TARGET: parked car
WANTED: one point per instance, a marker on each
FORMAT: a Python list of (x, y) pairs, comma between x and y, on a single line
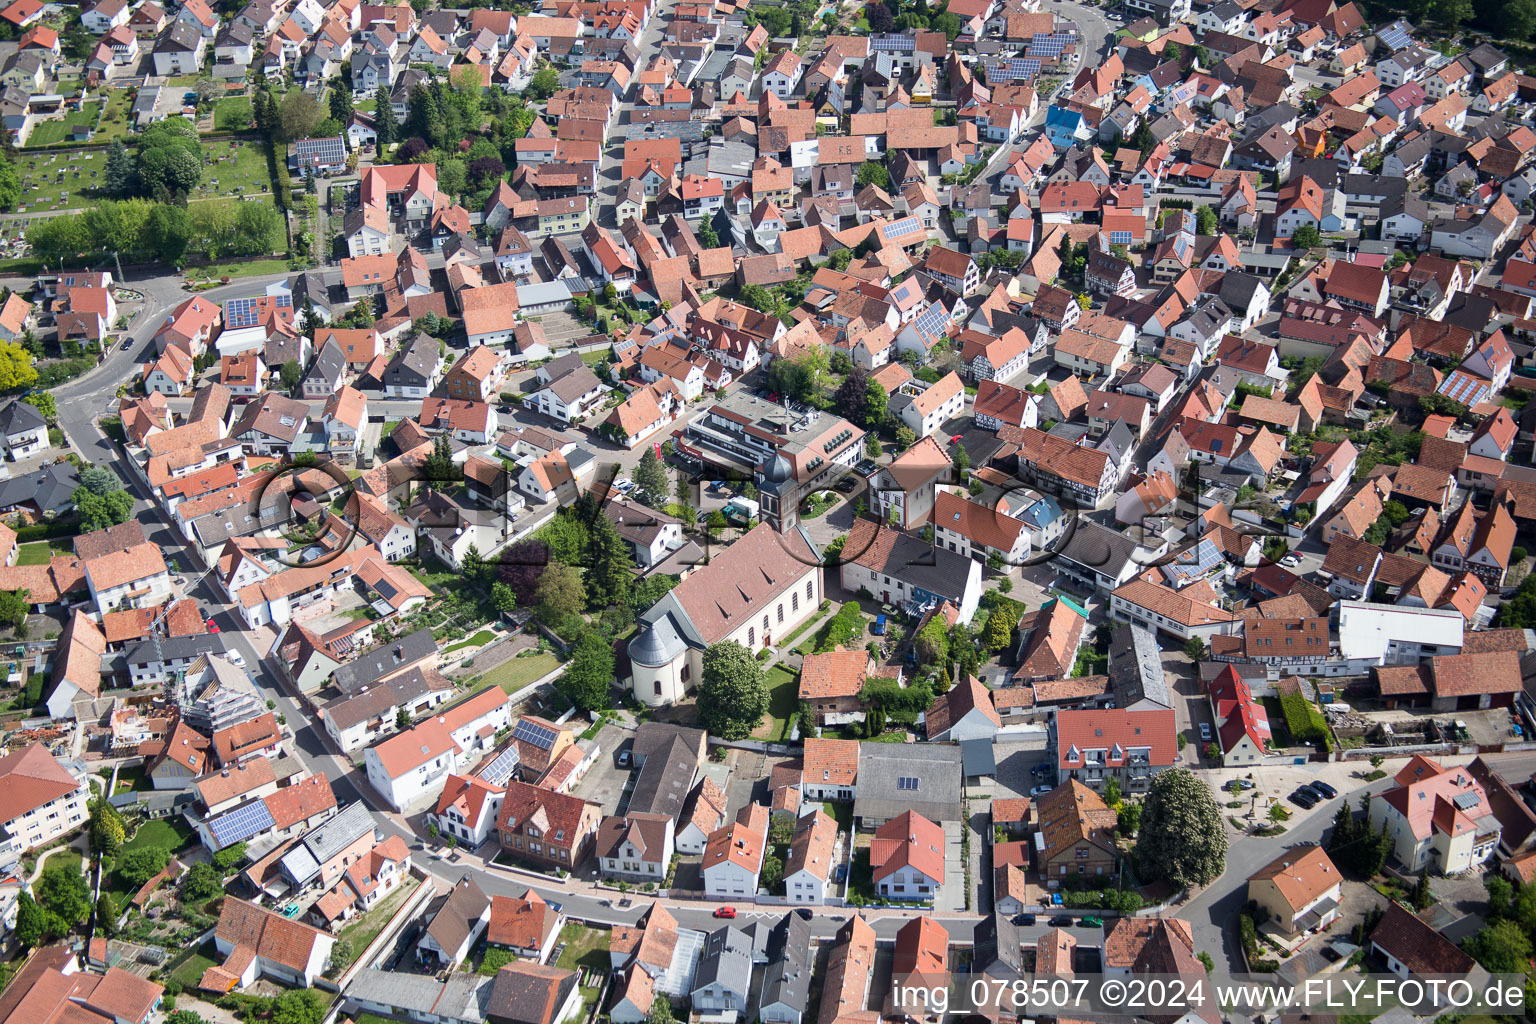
[(1291, 560), (846, 484), (1025, 919), (1205, 731), (1040, 791), (878, 629), (726, 912), (624, 758), (1061, 921), (1326, 790), (235, 658), (1093, 922), (1303, 798)]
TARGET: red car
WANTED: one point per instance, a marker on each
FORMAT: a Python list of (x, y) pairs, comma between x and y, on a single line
[(957, 439), (725, 911), (212, 626)]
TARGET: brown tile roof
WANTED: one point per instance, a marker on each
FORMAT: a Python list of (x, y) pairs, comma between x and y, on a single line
[(525, 923), (837, 673), (831, 762), (1301, 875), (270, 936)]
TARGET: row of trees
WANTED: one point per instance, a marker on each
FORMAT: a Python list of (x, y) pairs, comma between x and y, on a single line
[(138, 229)]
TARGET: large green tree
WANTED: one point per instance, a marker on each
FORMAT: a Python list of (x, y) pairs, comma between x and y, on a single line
[(384, 124), (560, 594), (589, 675), (1503, 947), (650, 476), (62, 892), (610, 568), (97, 512), (140, 864), (29, 921), (732, 696), (107, 829), (1182, 837)]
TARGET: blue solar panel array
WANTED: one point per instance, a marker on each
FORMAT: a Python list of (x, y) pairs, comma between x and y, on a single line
[(905, 226), (893, 43), (247, 312), (500, 770), (1463, 388), (1047, 44), (531, 732), (241, 824), (1396, 35)]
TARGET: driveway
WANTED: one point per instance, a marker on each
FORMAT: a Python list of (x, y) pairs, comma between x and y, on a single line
[(605, 783)]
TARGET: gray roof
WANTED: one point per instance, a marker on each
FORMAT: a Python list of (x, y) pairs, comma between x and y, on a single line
[(175, 648), (1136, 667), (325, 841), (373, 665), (727, 961), (665, 780), (328, 364), (414, 364), (454, 917), (883, 794), (654, 736), (180, 37), (17, 416), (919, 564), (374, 701), (786, 979), (1097, 547), (51, 488), (462, 998), (570, 386)]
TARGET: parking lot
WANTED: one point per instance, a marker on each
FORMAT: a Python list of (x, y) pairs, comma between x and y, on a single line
[(1015, 763), (605, 783)]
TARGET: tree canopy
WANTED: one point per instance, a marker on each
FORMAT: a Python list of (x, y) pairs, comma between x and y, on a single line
[(1182, 837), (732, 696)]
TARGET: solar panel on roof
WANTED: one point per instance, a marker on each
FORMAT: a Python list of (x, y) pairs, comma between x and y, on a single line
[(531, 732), (1463, 801), (905, 226), (1395, 36), (240, 313), (241, 823), (500, 770)]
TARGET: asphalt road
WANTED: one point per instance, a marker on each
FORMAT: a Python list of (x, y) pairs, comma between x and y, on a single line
[(94, 394), (1213, 912)]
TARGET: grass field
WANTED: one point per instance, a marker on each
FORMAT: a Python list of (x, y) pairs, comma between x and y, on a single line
[(39, 552), (232, 114), (44, 178), (167, 832), (480, 639), (367, 927), (254, 268), (515, 673), (114, 123), (585, 947), (783, 699), (235, 168), (190, 971), (50, 133)]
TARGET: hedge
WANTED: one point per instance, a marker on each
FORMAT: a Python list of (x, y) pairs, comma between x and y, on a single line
[(1120, 900), (1303, 720), (842, 628), (45, 531)]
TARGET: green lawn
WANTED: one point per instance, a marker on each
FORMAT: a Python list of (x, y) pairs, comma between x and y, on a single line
[(367, 927), (46, 177), (584, 948), (480, 639), (190, 971), (170, 833), (129, 779), (515, 673), (252, 268), (783, 700), (39, 552), (232, 114), (50, 133), (114, 123), (235, 168), (841, 811)]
